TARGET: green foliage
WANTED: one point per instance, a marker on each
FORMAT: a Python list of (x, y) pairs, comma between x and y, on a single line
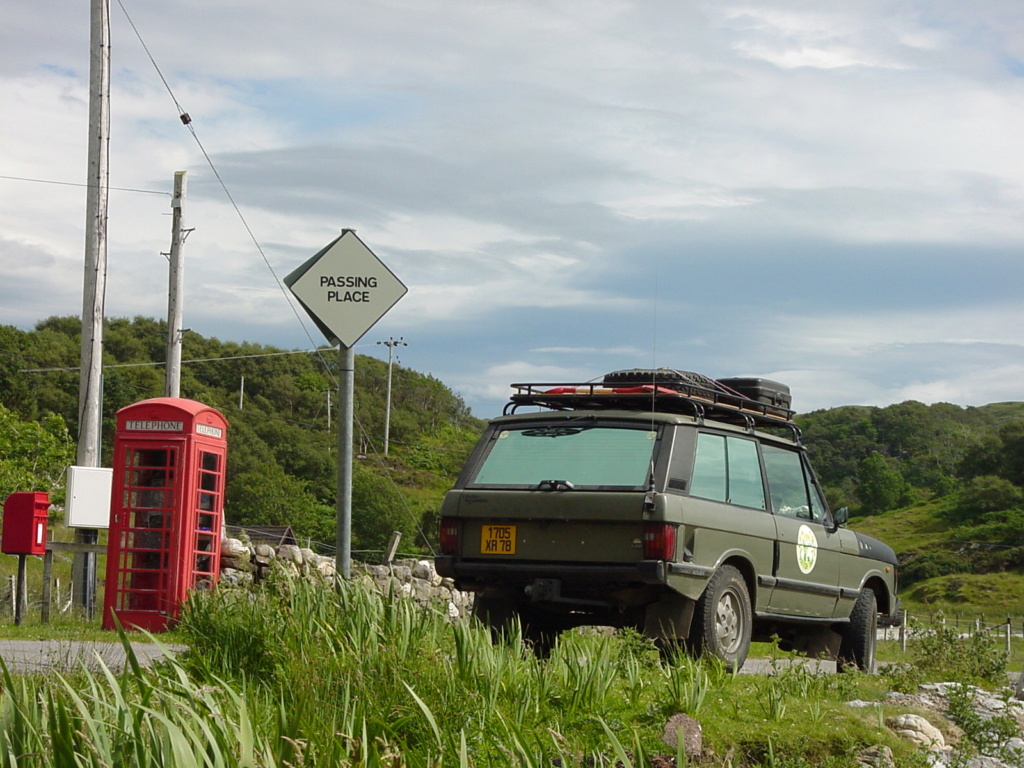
[(355, 668), (282, 465), (984, 494), (881, 486), (291, 673), (443, 453), (1000, 454), (920, 566), (988, 736), (34, 455), (232, 636), (378, 510), (971, 659), (931, 447)]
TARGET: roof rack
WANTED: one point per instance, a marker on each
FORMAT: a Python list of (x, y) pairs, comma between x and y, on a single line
[(707, 398)]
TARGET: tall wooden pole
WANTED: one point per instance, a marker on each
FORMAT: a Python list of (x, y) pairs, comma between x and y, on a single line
[(89, 407), (172, 376), (90, 412), (391, 343)]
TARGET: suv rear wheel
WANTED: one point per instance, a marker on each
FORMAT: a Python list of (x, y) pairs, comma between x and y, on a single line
[(722, 619)]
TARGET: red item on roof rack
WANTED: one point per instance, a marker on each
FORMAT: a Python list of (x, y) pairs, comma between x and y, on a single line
[(670, 391)]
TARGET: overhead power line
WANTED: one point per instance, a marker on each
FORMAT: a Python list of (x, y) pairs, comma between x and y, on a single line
[(186, 120), (79, 184), (196, 360)]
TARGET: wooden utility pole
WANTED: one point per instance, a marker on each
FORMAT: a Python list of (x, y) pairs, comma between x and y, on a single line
[(391, 343), (172, 376), (89, 406), (90, 411)]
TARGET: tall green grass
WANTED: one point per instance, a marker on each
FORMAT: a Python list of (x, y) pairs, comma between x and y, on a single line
[(294, 675)]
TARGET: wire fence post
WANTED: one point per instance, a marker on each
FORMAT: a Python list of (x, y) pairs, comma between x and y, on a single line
[(44, 613), (903, 631)]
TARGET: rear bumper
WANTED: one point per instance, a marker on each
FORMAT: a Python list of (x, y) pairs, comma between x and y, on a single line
[(476, 575)]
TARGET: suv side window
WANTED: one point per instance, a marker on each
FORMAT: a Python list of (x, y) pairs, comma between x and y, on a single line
[(788, 485), (726, 469)]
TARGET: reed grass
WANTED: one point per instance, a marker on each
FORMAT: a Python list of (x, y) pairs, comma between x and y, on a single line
[(296, 675)]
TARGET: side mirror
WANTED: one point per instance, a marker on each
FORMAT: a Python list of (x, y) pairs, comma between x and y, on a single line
[(842, 516)]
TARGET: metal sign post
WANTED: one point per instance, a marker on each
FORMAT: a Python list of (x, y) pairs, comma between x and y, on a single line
[(345, 289), (346, 434)]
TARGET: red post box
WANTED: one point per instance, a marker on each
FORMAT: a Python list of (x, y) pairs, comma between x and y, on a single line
[(166, 510), (25, 519)]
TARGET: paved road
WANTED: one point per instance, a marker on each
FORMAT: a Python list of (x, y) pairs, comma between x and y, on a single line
[(22, 656), (764, 666)]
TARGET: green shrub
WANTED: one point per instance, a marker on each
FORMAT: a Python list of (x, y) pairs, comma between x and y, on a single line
[(943, 652), (928, 565), (985, 494), (988, 736)]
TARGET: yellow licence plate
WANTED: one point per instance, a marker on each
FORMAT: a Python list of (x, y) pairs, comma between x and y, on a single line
[(498, 540)]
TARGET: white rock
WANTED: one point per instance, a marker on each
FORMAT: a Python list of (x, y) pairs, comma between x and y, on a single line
[(232, 548), (918, 730)]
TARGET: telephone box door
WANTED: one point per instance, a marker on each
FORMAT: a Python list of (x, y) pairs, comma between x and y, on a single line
[(203, 542), (143, 594), (166, 510)]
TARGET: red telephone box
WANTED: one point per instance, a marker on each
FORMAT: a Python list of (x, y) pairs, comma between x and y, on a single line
[(166, 510)]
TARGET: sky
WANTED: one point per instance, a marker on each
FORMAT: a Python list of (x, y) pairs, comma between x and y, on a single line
[(830, 195)]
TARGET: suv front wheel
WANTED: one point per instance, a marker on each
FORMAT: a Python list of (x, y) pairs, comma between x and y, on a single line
[(857, 647), (722, 619)]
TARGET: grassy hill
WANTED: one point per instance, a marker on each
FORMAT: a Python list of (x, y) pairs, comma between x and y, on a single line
[(923, 531)]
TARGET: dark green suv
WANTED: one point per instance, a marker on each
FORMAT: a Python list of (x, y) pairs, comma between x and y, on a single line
[(664, 501)]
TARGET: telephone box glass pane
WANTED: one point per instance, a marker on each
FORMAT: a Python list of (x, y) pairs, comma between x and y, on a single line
[(145, 539), (209, 503)]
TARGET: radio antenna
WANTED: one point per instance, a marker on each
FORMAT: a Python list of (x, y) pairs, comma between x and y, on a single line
[(654, 347)]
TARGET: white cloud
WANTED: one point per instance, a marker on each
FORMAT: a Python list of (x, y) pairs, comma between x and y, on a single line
[(555, 180)]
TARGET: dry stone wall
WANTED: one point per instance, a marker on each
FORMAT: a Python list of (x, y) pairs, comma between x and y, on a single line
[(245, 563)]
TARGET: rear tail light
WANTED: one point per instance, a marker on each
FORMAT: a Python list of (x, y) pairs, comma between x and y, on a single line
[(449, 536), (659, 541)]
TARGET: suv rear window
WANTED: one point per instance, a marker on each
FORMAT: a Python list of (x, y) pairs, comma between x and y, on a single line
[(590, 456)]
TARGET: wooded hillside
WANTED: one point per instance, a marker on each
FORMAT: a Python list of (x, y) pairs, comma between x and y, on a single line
[(281, 462), (949, 482), (965, 464)]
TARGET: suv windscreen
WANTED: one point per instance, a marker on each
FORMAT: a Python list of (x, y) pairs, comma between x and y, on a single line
[(607, 457)]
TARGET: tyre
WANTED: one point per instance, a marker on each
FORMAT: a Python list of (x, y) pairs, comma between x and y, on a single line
[(722, 619), (664, 377), (539, 633), (496, 613), (858, 637), (499, 614)]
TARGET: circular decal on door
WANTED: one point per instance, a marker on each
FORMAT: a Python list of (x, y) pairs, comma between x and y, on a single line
[(806, 549)]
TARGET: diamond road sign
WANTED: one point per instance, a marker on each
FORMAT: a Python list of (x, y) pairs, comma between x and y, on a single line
[(346, 289)]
